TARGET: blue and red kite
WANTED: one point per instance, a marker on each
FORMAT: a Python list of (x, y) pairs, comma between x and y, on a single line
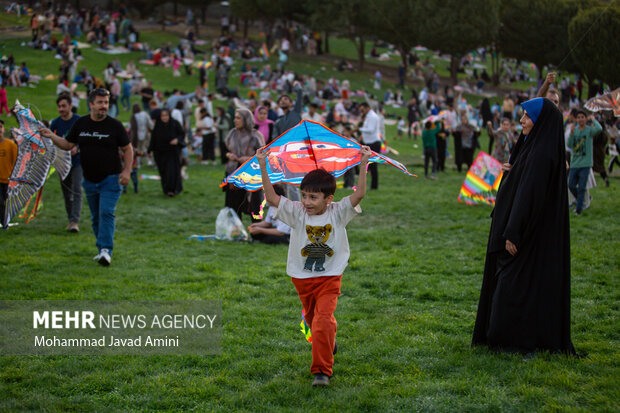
[(301, 149)]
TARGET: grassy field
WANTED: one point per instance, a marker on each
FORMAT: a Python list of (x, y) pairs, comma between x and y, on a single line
[(406, 313)]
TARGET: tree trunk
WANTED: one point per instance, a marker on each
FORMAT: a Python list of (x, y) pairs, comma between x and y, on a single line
[(403, 56), (196, 25), (326, 35), (495, 67), (245, 28), (203, 14), (360, 52), (454, 65), (175, 11)]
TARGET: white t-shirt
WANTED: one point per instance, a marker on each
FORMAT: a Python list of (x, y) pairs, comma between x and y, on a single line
[(319, 246)]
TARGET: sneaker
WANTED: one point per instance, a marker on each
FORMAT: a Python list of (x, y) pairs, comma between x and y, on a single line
[(96, 257), (104, 257), (73, 227), (320, 379)]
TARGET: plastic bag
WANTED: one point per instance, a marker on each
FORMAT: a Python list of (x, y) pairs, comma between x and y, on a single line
[(228, 226)]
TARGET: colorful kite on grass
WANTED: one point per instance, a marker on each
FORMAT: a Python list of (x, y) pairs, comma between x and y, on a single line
[(36, 156), (264, 51), (301, 149), (607, 101), (482, 181)]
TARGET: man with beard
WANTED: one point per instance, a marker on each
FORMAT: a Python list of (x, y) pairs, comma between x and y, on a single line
[(99, 137), (292, 114)]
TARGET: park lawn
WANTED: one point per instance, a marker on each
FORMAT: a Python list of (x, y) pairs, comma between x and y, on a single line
[(406, 313)]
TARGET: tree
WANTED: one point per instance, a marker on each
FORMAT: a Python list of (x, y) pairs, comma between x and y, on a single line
[(595, 43), (351, 18), (396, 22), (457, 27), (146, 8), (537, 31), (202, 6)]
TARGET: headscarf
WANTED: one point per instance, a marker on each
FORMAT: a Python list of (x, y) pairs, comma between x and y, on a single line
[(263, 127), (533, 107), (244, 141), (164, 132)]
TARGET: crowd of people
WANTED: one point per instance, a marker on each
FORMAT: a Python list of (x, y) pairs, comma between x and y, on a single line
[(542, 155)]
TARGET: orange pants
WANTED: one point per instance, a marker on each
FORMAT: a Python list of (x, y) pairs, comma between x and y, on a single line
[(319, 297)]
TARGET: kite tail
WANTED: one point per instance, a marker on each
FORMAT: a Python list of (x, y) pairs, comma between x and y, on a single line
[(305, 330), (29, 216)]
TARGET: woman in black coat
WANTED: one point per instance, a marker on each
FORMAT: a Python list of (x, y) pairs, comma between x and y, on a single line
[(525, 299), (166, 143)]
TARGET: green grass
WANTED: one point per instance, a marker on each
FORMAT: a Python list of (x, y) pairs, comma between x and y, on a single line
[(406, 314)]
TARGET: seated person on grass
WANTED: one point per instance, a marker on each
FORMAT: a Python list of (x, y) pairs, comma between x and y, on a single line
[(271, 230), (318, 252)]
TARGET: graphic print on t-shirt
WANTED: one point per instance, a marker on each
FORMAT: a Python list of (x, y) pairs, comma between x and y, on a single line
[(317, 250)]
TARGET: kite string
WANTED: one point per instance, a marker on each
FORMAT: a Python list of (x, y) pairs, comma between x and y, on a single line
[(584, 35), (310, 143)]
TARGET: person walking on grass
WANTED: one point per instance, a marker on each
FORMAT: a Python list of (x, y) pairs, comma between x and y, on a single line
[(429, 141), (372, 138), (318, 252), (99, 137), (72, 184)]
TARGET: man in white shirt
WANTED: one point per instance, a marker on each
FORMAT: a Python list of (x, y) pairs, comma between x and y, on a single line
[(312, 113), (371, 137)]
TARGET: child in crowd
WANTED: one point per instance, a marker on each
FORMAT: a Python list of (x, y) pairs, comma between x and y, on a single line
[(318, 252)]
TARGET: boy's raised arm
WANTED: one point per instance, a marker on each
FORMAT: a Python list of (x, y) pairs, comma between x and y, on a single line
[(270, 194), (356, 197)]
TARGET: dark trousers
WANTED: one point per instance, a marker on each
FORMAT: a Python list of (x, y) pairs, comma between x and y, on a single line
[(237, 199), (577, 183), (372, 168), (349, 178), (468, 156), (458, 151), (441, 154), (72, 192), (223, 149), (272, 239), (4, 189), (208, 147), (430, 153)]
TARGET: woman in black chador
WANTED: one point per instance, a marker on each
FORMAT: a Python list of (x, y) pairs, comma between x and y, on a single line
[(167, 139), (525, 299)]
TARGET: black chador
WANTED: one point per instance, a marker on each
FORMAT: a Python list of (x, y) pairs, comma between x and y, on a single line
[(525, 299)]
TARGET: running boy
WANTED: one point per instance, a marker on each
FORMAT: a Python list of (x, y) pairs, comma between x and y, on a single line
[(318, 252)]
